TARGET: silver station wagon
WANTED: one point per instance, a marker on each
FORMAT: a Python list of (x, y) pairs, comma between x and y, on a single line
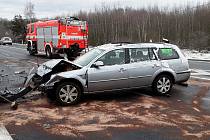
[(113, 67)]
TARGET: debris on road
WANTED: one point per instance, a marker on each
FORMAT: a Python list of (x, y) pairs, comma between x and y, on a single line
[(14, 104), (20, 72), (46, 126), (196, 109), (37, 77)]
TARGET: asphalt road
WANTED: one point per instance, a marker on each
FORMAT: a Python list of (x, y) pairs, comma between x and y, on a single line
[(137, 114), (203, 65)]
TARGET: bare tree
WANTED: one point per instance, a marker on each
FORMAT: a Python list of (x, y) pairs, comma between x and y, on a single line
[(188, 27), (29, 11)]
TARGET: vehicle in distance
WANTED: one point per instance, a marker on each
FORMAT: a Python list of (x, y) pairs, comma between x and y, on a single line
[(62, 36), (6, 41), (113, 67)]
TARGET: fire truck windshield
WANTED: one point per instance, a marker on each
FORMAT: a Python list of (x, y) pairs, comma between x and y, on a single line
[(74, 23), (70, 22)]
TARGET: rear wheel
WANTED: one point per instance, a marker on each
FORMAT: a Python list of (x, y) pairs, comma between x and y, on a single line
[(68, 93), (162, 85)]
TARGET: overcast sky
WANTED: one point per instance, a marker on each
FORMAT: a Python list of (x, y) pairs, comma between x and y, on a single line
[(51, 8)]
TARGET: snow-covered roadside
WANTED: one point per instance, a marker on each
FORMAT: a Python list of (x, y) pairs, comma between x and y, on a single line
[(195, 55)]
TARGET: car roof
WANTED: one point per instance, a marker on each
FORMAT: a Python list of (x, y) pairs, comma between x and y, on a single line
[(111, 46), (5, 37)]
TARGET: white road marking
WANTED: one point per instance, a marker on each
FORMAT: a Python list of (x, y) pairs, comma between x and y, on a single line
[(33, 62), (202, 61), (4, 134), (197, 73), (200, 72), (201, 78), (15, 47)]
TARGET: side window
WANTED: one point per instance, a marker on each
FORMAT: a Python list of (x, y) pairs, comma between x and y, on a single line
[(139, 54), (115, 57), (167, 54)]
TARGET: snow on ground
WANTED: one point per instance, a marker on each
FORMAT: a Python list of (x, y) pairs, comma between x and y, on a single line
[(192, 54)]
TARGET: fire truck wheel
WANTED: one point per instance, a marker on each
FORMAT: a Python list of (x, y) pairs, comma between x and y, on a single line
[(31, 52), (48, 52)]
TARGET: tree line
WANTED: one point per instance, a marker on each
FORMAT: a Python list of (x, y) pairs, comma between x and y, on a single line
[(187, 27)]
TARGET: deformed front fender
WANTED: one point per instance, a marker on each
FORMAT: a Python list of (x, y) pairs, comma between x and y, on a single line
[(79, 75)]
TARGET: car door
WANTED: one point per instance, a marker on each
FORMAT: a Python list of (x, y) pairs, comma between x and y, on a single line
[(112, 75), (143, 64)]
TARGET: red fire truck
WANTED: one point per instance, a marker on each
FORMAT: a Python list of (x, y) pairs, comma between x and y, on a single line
[(67, 35)]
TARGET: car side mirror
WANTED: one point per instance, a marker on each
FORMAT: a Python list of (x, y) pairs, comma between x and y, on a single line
[(98, 64)]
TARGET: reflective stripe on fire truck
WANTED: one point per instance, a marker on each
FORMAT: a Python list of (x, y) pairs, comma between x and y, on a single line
[(31, 36), (63, 37), (48, 36), (76, 37)]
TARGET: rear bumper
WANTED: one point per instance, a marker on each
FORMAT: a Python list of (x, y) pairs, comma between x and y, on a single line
[(183, 76)]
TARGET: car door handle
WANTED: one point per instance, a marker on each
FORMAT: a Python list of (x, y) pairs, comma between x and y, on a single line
[(122, 70)]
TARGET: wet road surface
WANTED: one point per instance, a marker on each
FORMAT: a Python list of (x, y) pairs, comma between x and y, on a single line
[(137, 114)]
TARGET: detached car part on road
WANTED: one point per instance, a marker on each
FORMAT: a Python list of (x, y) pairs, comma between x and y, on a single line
[(112, 67)]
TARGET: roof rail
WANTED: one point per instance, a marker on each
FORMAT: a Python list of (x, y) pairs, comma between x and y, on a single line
[(121, 43)]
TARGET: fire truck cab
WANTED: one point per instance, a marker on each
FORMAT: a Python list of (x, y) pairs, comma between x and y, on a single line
[(67, 35)]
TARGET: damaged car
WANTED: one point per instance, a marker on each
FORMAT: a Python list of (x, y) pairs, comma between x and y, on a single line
[(112, 67)]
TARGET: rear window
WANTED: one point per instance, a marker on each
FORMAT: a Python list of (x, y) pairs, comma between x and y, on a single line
[(167, 54)]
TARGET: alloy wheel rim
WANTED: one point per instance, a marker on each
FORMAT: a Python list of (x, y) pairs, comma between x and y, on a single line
[(163, 85), (68, 93)]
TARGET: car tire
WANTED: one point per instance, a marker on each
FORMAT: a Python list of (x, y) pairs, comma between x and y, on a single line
[(68, 93), (30, 51), (48, 52), (162, 85)]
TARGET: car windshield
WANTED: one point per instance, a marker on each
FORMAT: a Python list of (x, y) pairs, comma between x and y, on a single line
[(6, 38), (85, 59)]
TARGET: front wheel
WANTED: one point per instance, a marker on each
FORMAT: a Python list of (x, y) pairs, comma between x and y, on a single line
[(68, 93), (48, 52), (30, 50), (162, 85)]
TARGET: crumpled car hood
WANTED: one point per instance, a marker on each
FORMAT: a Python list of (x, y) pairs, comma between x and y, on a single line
[(47, 67)]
